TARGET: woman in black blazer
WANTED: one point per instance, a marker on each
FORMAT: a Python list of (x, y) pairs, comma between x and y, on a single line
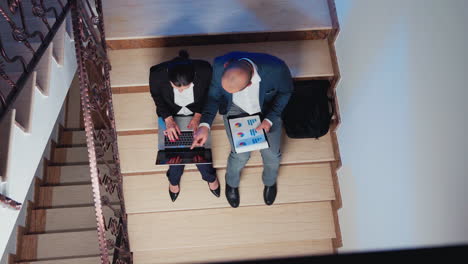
[(180, 87)]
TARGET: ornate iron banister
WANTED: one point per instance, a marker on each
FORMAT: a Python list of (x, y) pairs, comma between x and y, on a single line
[(15, 22), (101, 135), (9, 202), (16, 19), (96, 102)]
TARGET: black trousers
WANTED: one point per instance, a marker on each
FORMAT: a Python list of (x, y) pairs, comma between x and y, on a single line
[(175, 173)]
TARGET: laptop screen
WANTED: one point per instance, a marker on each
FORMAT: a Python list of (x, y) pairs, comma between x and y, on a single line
[(184, 156)]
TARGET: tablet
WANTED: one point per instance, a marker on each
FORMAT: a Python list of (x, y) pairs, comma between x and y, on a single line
[(244, 135)]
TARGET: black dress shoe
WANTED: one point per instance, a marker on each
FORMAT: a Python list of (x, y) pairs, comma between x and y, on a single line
[(232, 195), (216, 192), (174, 195), (269, 194)]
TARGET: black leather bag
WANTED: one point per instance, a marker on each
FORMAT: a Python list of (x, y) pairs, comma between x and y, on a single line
[(309, 111)]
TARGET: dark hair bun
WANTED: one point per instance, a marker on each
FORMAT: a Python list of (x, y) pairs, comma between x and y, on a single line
[(183, 54)]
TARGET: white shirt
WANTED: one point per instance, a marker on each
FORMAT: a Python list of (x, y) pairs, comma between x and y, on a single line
[(183, 99), (249, 98)]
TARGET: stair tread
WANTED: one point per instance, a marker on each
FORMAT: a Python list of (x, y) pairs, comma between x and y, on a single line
[(231, 226), (65, 219), (85, 260), (296, 183), (71, 174), (305, 58), (73, 137), (258, 251), (64, 155), (69, 195), (138, 152), (137, 111), (248, 15), (59, 245)]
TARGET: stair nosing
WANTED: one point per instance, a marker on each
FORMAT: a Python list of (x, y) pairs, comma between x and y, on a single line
[(128, 174), (322, 28), (70, 206)]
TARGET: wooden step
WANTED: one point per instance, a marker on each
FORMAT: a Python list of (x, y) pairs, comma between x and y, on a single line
[(69, 195), (137, 111), (59, 245), (126, 20), (85, 260), (74, 155), (73, 137), (71, 174), (74, 119), (258, 251), (296, 183), (231, 226), (138, 152), (64, 219), (307, 58)]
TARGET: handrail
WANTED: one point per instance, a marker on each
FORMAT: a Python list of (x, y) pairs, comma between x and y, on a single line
[(96, 101), (101, 135), (21, 35), (8, 202)]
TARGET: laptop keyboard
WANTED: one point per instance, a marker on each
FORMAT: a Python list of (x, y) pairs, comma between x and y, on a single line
[(185, 139)]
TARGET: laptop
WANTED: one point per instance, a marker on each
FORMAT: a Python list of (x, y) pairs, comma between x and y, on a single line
[(179, 152)]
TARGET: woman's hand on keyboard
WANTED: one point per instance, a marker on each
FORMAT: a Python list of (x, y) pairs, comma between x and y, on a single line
[(172, 130)]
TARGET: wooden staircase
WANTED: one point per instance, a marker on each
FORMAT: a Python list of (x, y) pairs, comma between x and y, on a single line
[(61, 222), (199, 227)]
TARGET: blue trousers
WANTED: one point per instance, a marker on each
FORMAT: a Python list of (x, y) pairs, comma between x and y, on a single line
[(175, 173), (271, 156)]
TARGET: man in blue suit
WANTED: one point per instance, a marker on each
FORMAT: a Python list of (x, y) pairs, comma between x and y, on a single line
[(248, 83)]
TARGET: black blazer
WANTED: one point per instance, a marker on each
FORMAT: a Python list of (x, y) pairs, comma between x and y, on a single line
[(163, 93)]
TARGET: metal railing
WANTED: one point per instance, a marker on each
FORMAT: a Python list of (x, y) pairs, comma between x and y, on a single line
[(25, 35), (28, 21), (9, 203), (26, 32), (101, 135)]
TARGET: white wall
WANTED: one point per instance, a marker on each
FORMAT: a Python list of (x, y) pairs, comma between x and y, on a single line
[(404, 136)]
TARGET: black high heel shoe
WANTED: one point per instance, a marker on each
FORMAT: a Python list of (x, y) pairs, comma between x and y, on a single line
[(216, 192), (174, 195)]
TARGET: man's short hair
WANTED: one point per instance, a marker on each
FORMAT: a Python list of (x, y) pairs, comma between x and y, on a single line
[(234, 63)]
